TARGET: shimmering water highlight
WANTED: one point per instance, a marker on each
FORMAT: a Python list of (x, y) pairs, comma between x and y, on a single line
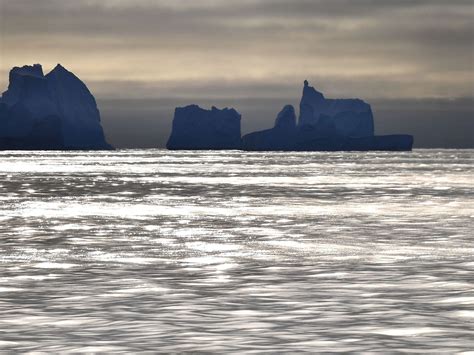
[(229, 251)]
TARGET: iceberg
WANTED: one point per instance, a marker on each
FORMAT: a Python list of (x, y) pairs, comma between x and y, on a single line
[(195, 128), (335, 117), (325, 125), (53, 111), (281, 137)]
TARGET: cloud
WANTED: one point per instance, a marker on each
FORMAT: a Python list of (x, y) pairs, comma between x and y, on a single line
[(367, 48)]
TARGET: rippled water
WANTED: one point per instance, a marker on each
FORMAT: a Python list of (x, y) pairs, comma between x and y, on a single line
[(230, 251)]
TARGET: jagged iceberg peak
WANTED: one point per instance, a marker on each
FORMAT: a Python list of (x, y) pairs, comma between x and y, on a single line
[(343, 117), (231, 111), (28, 87), (286, 119), (310, 93), (59, 70), (279, 138), (17, 78), (198, 128), (59, 67), (32, 70), (59, 94)]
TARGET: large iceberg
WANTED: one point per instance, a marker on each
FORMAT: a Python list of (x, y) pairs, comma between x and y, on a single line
[(53, 111), (196, 128), (325, 125)]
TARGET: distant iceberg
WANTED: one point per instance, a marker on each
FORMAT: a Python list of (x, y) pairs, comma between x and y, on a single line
[(335, 117), (195, 128), (53, 111), (325, 125), (281, 137)]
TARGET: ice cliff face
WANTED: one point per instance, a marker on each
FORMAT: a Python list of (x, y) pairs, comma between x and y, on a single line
[(197, 128), (55, 111), (335, 117), (77, 107)]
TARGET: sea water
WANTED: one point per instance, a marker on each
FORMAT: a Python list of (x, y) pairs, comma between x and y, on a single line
[(228, 251)]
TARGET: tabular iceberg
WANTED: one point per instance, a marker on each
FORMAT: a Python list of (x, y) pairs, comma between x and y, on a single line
[(195, 128), (53, 111), (325, 125)]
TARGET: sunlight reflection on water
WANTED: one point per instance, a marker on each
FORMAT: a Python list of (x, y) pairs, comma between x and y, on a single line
[(138, 250)]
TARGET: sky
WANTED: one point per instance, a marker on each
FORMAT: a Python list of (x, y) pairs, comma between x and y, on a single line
[(411, 59)]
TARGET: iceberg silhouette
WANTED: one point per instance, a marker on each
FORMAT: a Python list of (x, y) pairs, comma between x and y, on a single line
[(53, 111), (195, 128), (325, 125)]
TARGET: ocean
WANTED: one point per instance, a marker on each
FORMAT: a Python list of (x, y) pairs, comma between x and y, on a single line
[(236, 252)]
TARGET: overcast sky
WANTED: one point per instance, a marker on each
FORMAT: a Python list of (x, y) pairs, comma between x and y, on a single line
[(129, 49)]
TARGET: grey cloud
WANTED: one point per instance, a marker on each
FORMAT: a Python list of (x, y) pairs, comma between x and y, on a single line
[(304, 26), (140, 16), (425, 45), (231, 22)]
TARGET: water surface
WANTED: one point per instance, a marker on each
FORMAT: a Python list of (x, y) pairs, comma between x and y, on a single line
[(236, 252)]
